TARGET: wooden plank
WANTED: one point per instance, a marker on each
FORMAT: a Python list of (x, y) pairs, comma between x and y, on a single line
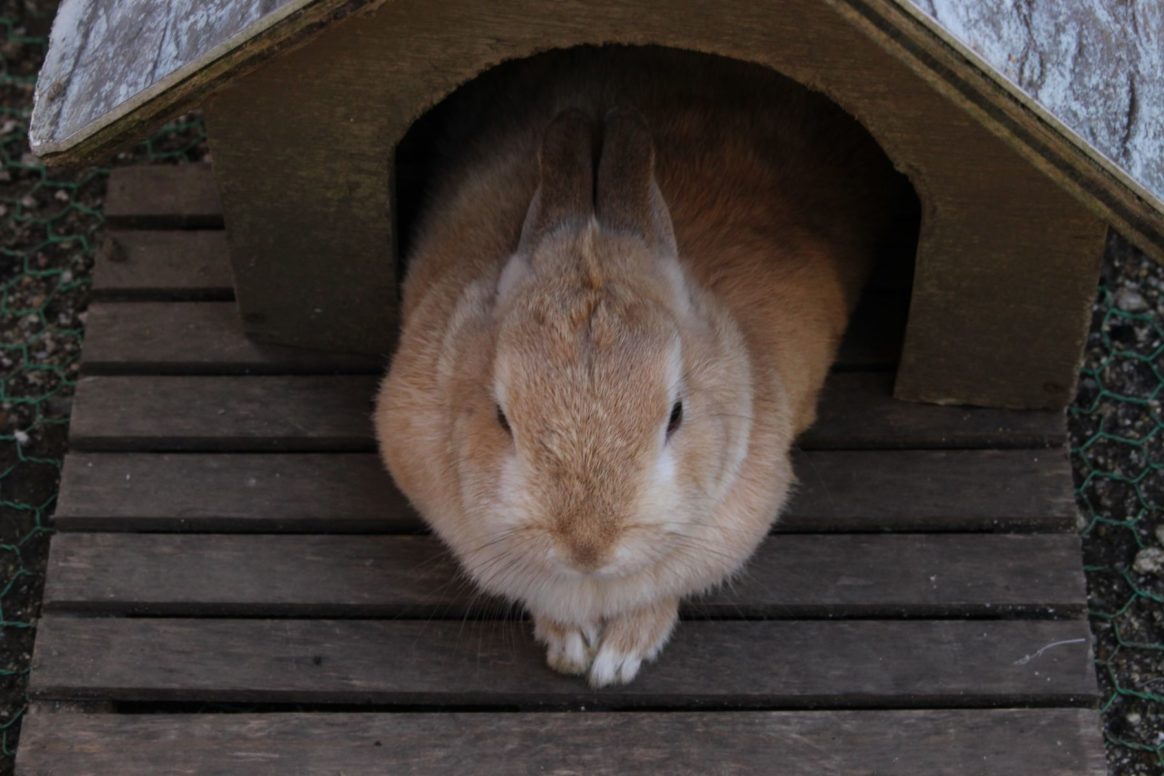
[(306, 492), (899, 490), (333, 413), (163, 265), (933, 742), (856, 411), (842, 490), (182, 196), (223, 413), (908, 575), (727, 663), (197, 338)]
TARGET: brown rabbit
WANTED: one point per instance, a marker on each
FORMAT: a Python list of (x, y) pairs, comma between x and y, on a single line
[(623, 298)]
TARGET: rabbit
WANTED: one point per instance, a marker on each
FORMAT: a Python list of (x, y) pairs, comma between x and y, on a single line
[(625, 292)]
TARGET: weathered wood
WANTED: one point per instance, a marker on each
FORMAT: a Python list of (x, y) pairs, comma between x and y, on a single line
[(842, 490), (115, 72), (1108, 90), (975, 287), (237, 492), (934, 742), (986, 332), (911, 575), (180, 196), (223, 413), (856, 411), (736, 664), (1004, 66), (337, 492), (333, 413), (198, 338), (104, 56), (163, 265), (284, 229)]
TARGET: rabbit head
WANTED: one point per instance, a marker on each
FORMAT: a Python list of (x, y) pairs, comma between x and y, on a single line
[(615, 410)]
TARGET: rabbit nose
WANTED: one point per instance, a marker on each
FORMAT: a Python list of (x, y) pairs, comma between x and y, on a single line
[(586, 555), (585, 552)]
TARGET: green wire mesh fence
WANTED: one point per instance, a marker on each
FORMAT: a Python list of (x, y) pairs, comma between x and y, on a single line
[(45, 247), (49, 224), (1117, 434)]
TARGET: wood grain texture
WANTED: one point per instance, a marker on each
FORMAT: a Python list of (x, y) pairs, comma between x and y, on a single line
[(306, 413), (1049, 742), (908, 575), (237, 492), (736, 664), (1098, 67), (905, 29), (339, 492), (116, 69), (179, 196), (1000, 58), (107, 53), (163, 265), (198, 338), (857, 411), (974, 287), (223, 413), (843, 490), (335, 200)]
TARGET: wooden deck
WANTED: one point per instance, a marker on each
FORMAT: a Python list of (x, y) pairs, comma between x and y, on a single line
[(236, 587)]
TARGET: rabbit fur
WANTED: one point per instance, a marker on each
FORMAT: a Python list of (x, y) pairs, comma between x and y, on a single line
[(627, 286)]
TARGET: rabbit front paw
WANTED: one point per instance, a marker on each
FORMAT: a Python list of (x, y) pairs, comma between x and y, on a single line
[(631, 639), (569, 648)]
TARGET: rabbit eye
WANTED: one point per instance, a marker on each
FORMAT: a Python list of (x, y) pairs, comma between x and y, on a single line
[(503, 421), (675, 419)]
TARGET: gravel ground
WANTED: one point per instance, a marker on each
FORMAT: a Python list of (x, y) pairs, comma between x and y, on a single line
[(49, 221), (1117, 438), (47, 226)]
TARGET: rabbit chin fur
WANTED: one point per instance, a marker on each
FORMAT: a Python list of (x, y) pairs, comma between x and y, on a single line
[(578, 275)]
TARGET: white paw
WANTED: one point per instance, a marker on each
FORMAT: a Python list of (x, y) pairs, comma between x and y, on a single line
[(569, 649), (612, 666), (630, 640)]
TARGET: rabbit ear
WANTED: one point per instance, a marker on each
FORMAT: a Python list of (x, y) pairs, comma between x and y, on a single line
[(565, 191), (628, 199)]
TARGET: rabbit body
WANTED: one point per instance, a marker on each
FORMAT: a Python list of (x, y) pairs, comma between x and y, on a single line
[(614, 327)]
